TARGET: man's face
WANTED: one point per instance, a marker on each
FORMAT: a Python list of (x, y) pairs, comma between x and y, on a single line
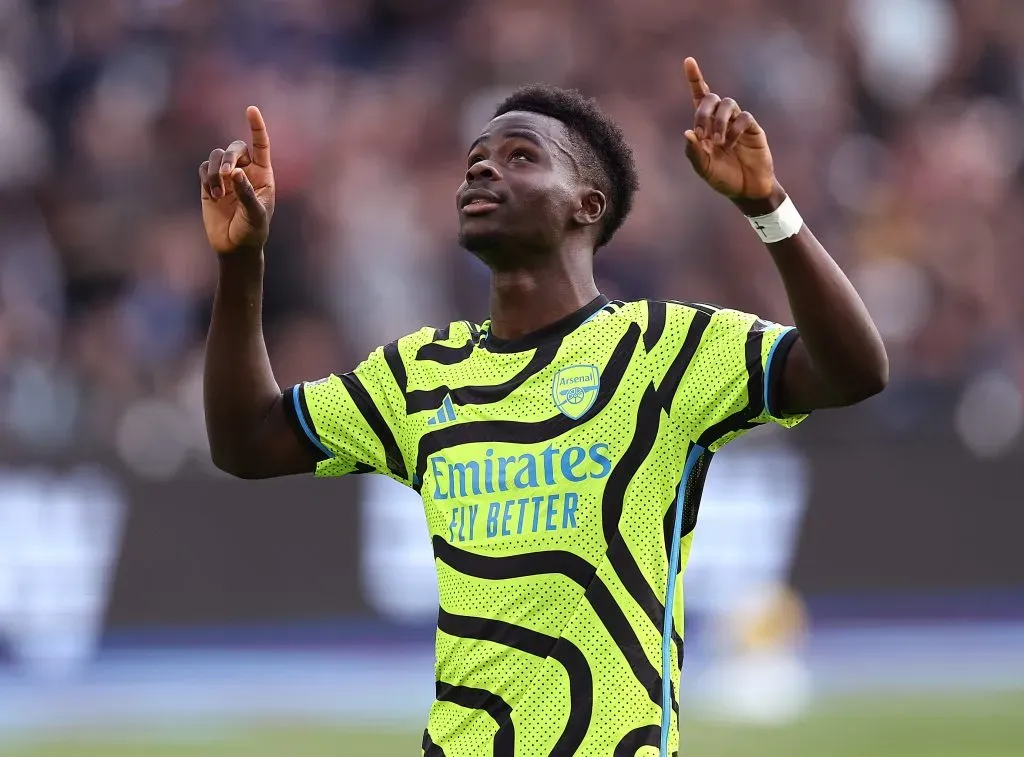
[(522, 188)]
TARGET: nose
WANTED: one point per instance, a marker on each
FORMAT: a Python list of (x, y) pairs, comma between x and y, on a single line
[(482, 169)]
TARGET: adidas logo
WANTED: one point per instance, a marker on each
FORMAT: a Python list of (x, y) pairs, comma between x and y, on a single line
[(445, 413)]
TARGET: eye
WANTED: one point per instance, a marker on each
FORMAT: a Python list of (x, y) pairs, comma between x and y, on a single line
[(519, 156), (475, 159)]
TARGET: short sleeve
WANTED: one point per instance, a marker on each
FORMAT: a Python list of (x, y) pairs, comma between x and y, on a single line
[(738, 365), (351, 420)]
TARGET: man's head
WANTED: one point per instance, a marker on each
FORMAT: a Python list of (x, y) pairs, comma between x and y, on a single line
[(550, 166)]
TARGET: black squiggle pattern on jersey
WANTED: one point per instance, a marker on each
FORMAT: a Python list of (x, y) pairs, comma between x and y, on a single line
[(581, 681), (577, 570), (372, 415), (492, 704), (419, 400), (568, 564), (448, 354), (430, 749), (656, 315), (629, 745), (445, 354), (674, 375), (755, 391)]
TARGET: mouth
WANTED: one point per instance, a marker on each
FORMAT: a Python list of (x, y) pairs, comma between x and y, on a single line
[(475, 202)]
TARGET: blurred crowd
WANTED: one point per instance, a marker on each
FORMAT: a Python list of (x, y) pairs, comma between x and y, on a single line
[(895, 125)]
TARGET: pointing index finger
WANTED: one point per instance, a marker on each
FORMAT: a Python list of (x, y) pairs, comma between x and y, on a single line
[(698, 87), (260, 138)]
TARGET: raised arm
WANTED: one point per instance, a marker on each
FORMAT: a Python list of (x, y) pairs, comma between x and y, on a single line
[(839, 358), (248, 429)]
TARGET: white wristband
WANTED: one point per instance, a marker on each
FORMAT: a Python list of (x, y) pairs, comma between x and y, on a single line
[(782, 223)]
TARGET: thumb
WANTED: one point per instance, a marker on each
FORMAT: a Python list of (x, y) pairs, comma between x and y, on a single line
[(698, 156), (247, 196)]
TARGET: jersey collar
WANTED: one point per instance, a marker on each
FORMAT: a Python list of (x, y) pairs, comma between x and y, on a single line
[(556, 330)]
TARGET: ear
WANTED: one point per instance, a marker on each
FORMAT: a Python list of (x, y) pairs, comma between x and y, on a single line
[(591, 209)]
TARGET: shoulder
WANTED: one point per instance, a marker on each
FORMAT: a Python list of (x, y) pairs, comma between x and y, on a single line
[(645, 310), (431, 341), (630, 311), (697, 324), (680, 307), (716, 316), (655, 316)]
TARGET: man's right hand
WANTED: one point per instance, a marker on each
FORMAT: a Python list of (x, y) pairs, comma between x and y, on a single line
[(238, 191)]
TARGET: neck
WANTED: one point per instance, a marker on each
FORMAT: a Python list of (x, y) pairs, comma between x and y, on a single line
[(527, 299)]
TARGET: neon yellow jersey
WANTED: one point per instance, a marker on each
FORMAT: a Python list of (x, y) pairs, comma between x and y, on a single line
[(561, 475)]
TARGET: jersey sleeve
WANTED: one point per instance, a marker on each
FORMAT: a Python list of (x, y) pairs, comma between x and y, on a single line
[(353, 421), (735, 376)]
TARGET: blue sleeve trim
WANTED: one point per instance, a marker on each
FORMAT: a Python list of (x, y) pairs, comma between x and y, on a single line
[(306, 424), (773, 375)]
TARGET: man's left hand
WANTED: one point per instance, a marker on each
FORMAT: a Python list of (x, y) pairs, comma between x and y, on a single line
[(726, 146)]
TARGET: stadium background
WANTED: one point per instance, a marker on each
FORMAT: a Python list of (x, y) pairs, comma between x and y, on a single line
[(857, 587)]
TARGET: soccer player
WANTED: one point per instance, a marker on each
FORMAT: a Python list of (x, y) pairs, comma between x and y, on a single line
[(559, 446)]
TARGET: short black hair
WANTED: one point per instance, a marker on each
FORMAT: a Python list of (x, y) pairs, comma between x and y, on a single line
[(605, 157)]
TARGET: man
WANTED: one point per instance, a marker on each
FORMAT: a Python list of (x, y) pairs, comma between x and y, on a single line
[(561, 445)]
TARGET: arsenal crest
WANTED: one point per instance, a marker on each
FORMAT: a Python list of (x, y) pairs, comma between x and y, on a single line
[(575, 388)]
